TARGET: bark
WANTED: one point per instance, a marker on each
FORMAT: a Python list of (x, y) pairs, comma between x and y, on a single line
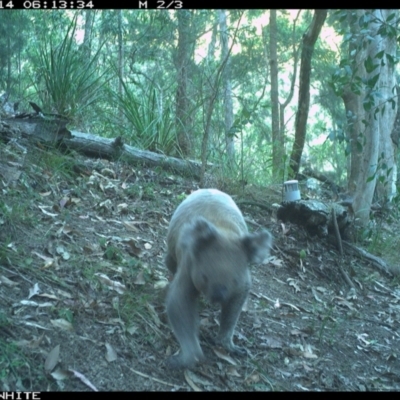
[(121, 63), (227, 88), (278, 108), (34, 130), (315, 216), (182, 64), (210, 108), (277, 138), (309, 39), (87, 42), (370, 126)]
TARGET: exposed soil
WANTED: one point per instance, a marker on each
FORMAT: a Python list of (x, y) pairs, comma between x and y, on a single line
[(81, 267)]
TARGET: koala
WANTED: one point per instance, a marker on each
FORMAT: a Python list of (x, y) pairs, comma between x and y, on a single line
[(208, 251)]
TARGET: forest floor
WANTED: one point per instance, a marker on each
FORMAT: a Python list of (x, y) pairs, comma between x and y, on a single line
[(82, 289)]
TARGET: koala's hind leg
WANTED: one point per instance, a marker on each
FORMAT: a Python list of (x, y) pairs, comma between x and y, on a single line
[(230, 312), (182, 312)]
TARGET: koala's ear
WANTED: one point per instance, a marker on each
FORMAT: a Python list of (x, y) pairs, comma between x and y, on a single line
[(199, 234), (203, 231), (257, 246)]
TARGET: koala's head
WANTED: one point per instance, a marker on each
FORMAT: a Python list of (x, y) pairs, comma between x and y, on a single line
[(218, 262), (206, 240)]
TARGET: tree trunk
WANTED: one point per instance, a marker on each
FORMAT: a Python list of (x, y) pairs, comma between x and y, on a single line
[(209, 108), (121, 63), (87, 37), (371, 110), (278, 108), (227, 88), (277, 138), (309, 39), (182, 64)]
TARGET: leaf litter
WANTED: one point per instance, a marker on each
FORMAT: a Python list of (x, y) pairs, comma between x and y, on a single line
[(304, 329)]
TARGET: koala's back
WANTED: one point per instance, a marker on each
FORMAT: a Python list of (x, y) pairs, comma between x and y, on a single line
[(213, 205)]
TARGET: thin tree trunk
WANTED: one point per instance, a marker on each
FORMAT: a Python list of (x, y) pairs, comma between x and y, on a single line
[(371, 118), (121, 62), (277, 139), (227, 88), (182, 64), (87, 37), (309, 40)]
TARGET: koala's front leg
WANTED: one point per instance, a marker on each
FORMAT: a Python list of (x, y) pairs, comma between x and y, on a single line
[(230, 312)]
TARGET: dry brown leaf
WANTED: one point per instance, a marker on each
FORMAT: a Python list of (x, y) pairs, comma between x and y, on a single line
[(133, 248), (114, 285), (307, 354), (52, 359), (111, 354), (61, 374), (48, 296), (130, 226), (307, 367), (32, 344), (132, 329), (232, 371), (277, 262), (44, 211), (89, 248), (122, 208), (83, 379), (316, 296), (64, 202), (139, 280), (33, 324), (362, 338), (285, 230), (63, 253), (277, 304), (62, 324), (43, 257), (29, 303), (253, 378), (190, 382), (7, 282), (294, 284), (154, 314), (160, 284), (270, 342), (12, 247), (107, 172), (64, 293), (224, 356), (342, 302)]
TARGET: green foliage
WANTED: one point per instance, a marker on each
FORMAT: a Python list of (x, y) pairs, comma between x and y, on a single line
[(113, 253), (56, 163), (141, 108), (147, 118), (13, 38), (15, 211), (71, 79), (349, 72)]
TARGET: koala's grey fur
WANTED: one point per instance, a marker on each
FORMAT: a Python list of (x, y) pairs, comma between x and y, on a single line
[(209, 249)]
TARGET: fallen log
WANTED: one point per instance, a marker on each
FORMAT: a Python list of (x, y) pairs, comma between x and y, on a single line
[(376, 261), (315, 216), (96, 146), (52, 132)]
